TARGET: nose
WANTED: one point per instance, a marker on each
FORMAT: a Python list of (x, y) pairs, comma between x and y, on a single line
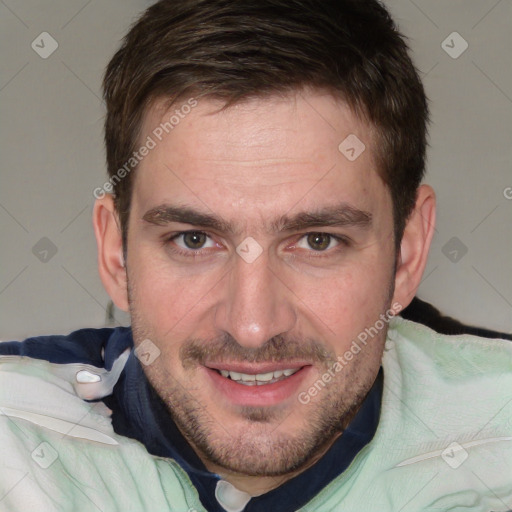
[(255, 305)]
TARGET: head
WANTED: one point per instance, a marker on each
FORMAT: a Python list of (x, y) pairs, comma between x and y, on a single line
[(266, 159)]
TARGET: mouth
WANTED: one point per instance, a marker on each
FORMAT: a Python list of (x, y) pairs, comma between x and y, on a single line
[(259, 384), (259, 379)]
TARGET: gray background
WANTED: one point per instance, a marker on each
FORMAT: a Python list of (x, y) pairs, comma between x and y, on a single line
[(53, 157)]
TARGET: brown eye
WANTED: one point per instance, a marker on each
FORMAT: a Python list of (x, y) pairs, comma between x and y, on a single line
[(319, 241), (194, 240)]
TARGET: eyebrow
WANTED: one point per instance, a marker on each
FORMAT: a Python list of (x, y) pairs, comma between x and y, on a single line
[(342, 215), (165, 214)]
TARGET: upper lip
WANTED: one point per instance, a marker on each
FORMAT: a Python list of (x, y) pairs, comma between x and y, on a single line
[(256, 368)]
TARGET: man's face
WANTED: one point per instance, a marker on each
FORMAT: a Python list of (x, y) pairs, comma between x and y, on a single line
[(256, 247)]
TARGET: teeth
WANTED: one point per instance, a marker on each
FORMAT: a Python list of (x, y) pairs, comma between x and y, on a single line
[(265, 377), (260, 378)]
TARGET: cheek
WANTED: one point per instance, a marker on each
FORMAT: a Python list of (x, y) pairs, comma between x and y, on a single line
[(153, 293), (345, 304), (167, 300)]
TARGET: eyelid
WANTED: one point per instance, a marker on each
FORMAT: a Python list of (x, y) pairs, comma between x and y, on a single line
[(175, 234), (342, 243), (338, 237), (303, 243), (209, 243)]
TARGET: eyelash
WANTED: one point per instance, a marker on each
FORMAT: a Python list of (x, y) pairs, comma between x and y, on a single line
[(343, 242), (191, 253)]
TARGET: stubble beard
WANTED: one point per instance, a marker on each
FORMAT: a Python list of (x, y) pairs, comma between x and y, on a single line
[(262, 447)]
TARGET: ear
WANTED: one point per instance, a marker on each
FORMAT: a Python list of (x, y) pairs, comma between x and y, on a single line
[(415, 245), (111, 264)]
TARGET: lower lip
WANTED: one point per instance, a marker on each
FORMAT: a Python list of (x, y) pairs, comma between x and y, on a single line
[(258, 396)]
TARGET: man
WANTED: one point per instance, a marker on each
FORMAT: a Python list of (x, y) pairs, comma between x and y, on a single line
[(268, 225)]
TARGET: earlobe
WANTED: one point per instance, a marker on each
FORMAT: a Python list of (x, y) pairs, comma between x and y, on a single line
[(415, 246), (111, 265)]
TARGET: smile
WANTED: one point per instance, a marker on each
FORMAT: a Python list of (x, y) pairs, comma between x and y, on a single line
[(259, 379), (257, 384)]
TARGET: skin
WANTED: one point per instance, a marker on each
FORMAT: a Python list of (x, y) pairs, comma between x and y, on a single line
[(255, 166)]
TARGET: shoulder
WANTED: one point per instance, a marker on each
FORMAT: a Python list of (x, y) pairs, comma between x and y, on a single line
[(58, 449), (457, 383), (416, 348), (445, 431)]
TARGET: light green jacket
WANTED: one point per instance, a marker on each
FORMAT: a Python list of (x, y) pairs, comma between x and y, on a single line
[(443, 443)]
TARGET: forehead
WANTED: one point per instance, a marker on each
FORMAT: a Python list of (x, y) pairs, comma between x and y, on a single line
[(264, 154)]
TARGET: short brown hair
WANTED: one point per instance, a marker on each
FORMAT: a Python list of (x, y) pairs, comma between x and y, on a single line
[(237, 49)]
